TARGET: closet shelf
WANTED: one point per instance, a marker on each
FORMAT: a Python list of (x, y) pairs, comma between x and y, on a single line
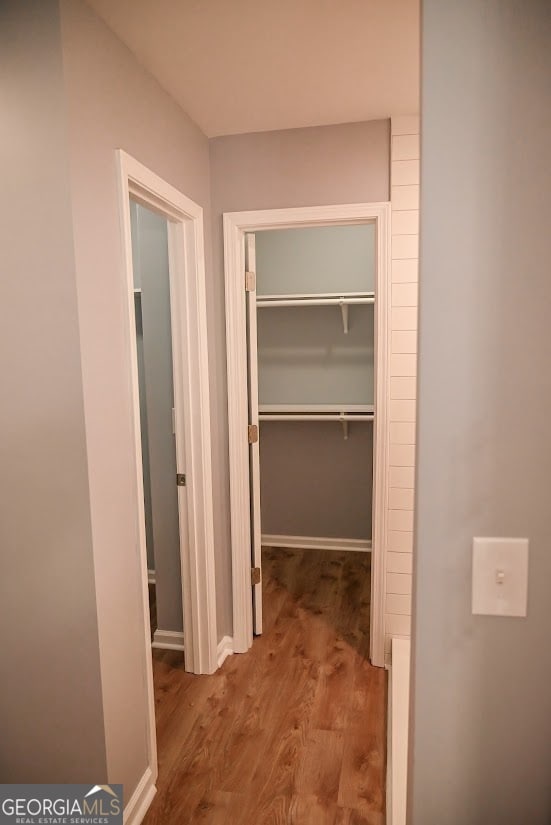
[(303, 296), (344, 417), (316, 416), (342, 301), (295, 300), (311, 409)]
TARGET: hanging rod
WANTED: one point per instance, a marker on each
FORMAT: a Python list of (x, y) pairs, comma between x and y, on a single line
[(343, 294), (311, 409), (311, 302), (342, 418), (343, 301), (316, 417)]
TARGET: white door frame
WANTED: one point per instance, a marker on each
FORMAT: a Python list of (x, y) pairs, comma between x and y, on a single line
[(192, 413), (236, 225)]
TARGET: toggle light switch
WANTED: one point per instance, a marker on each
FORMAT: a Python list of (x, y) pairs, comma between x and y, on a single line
[(500, 576)]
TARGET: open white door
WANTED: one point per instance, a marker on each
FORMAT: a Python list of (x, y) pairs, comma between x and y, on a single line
[(254, 456)]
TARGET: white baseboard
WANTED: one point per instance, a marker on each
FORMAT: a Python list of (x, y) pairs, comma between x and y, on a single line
[(224, 649), (151, 577), (141, 799), (168, 640), (397, 727), (316, 543)]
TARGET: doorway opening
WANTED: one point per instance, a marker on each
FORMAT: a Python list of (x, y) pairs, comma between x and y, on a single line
[(166, 333), (308, 357), (157, 424)]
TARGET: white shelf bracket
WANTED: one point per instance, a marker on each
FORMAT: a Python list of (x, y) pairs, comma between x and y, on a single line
[(344, 311), (344, 422)]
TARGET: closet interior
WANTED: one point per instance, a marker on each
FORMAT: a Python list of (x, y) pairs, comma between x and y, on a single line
[(311, 329), (152, 311)]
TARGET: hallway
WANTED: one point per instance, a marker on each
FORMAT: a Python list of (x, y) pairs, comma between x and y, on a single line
[(292, 732)]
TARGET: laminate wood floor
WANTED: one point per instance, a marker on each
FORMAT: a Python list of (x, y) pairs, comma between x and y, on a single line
[(292, 732)]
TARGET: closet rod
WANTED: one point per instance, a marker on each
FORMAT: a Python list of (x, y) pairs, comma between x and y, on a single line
[(311, 409), (303, 295), (344, 418), (315, 417), (311, 302)]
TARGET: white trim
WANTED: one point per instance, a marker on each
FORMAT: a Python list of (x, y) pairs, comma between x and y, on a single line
[(236, 224), (342, 416), (404, 154), (339, 296), (254, 447), (225, 649), (150, 576), (168, 640), (316, 543), (381, 436), (397, 731), (262, 303), (191, 392), (238, 419), (389, 763), (139, 802)]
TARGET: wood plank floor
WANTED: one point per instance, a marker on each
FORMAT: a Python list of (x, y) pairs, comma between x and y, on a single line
[(291, 733)]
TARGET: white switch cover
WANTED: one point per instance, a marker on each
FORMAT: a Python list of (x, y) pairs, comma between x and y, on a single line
[(500, 576)]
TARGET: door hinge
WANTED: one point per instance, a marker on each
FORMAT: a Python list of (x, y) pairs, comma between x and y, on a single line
[(250, 281), (255, 575), (252, 433), (181, 479)]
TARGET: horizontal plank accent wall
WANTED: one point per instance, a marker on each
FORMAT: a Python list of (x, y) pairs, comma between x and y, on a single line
[(404, 179)]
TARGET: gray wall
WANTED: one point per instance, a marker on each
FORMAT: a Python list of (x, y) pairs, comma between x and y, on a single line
[(50, 690), (112, 102), (146, 472), (324, 259), (151, 273), (481, 701), (313, 482), (296, 167), (304, 357)]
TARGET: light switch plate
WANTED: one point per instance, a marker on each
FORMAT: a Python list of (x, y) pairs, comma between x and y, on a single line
[(500, 576)]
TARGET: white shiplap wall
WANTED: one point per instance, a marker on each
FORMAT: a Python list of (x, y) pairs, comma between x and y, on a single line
[(404, 179)]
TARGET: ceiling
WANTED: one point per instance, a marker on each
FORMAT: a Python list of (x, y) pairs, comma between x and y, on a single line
[(254, 65)]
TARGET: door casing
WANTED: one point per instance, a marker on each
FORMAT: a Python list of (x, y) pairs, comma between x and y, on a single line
[(192, 417), (236, 225)]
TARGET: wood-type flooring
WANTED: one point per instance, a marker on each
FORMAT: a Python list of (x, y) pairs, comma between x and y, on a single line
[(292, 732)]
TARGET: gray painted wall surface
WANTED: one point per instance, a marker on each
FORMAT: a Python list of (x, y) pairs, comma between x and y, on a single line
[(151, 272), (296, 167), (51, 716), (313, 482), (302, 465), (312, 259), (481, 701), (112, 102), (304, 357), (141, 378)]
